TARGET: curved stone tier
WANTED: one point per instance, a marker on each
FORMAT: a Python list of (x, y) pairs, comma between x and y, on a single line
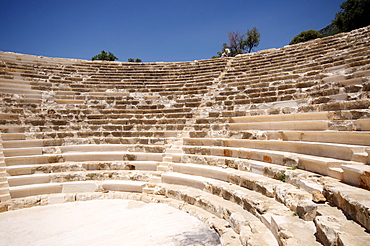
[(268, 148)]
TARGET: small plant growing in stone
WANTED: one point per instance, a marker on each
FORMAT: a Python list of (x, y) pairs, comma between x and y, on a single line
[(283, 177), (295, 214), (292, 168)]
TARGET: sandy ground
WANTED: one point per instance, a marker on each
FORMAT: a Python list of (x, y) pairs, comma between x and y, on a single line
[(103, 222)]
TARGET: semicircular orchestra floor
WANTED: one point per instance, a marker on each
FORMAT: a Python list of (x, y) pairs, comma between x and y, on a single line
[(104, 222)]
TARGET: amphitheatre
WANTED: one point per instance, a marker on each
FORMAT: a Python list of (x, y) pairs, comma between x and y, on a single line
[(266, 148)]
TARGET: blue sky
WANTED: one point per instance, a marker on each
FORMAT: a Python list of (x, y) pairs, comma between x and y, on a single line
[(162, 30)]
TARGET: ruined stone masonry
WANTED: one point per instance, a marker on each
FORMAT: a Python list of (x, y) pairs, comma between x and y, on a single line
[(268, 148)]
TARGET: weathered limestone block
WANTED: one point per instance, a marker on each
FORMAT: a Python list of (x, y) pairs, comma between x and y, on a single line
[(256, 182), (290, 196), (203, 170), (4, 206), (79, 186), (333, 228), (214, 205), (191, 159), (292, 231), (305, 180), (222, 227), (318, 197), (61, 198), (306, 210), (239, 219), (34, 190), (83, 196), (123, 185), (254, 234), (26, 202), (182, 179), (354, 201), (358, 175), (230, 238)]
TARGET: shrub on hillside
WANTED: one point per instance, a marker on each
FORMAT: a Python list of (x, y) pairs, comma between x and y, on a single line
[(104, 56), (133, 60), (354, 14), (305, 36)]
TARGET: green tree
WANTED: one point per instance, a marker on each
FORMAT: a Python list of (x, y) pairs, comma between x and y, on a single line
[(252, 40), (133, 60), (305, 36), (239, 43), (354, 14), (235, 43), (104, 56)]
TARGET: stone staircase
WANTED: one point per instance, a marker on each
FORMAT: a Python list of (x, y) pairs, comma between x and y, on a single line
[(4, 185), (268, 148)]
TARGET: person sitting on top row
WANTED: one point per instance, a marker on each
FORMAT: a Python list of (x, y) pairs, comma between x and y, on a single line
[(226, 53)]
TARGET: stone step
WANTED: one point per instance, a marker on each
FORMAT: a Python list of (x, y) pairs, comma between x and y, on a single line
[(83, 156), (161, 168), (15, 84), (86, 166), (75, 187), (5, 197), (241, 221), (8, 144), (34, 93), (357, 153), (35, 189), (282, 125), (108, 148), (362, 73), (353, 81), (145, 165), (8, 116), (358, 175), (321, 165), (155, 180), (234, 148), (148, 190), (29, 179), (68, 133), (123, 185), (226, 208), (12, 129), (173, 151), (22, 152), (13, 136), (214, 172), (338, 78), (333, 227), (257, 182), (364, 124), (352, 200), (320, 213), (70, 101), (4, 190), (64, 141), (3, 179), (341, 137), (227, 235)]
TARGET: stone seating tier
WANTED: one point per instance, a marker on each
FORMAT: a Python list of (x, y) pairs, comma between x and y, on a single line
[(247, 201), (272, 188), (266, 211), (257, 138)]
